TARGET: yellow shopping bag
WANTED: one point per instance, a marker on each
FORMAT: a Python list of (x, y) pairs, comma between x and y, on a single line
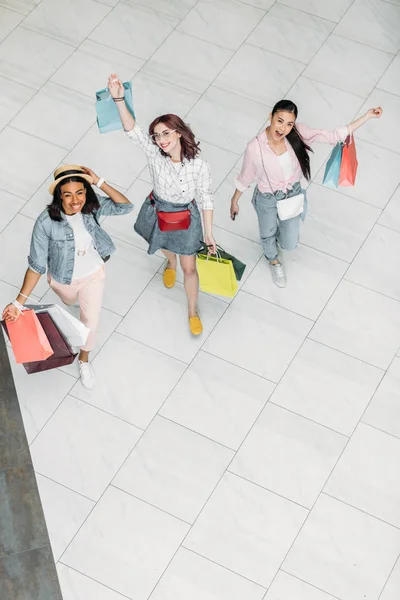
[(217, 275)]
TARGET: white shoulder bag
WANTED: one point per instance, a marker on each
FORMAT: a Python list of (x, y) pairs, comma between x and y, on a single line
[(289, 207)]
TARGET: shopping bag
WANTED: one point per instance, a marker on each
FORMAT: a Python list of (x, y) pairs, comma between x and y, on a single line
[(62, 354), (73, 330), (349, 163), (216, 275), (107, 112), (238, 266), (332, 170), (28, 339)]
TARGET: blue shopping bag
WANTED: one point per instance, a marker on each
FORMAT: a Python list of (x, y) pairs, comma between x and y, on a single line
[(107, 112), (332, 170)]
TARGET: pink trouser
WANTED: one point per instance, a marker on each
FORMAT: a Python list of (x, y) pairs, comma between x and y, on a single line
[(89, 291)]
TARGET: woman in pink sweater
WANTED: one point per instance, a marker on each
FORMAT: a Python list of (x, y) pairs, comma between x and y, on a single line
[(276, 159)]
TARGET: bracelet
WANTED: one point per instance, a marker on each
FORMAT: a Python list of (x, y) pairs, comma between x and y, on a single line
[(18, 305), (119, 99), (100, 182)]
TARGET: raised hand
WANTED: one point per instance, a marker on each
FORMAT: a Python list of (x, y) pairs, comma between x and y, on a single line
[(115, 86), (375, 113), (91, 174)]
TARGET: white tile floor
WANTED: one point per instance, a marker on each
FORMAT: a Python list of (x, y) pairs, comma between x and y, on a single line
[(262, 460)]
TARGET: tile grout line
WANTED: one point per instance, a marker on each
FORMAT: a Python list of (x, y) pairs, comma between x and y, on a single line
[(88, 576)]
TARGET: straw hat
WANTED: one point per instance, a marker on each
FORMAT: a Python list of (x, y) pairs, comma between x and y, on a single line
[(68, 171)]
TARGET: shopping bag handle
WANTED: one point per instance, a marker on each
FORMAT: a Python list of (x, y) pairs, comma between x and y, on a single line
[(209, 245)]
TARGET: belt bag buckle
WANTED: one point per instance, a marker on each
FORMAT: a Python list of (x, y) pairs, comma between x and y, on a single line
[(174, 221), (291, 207)]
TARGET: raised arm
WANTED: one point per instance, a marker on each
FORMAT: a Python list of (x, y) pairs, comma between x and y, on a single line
[(372, 113), (117, 92)]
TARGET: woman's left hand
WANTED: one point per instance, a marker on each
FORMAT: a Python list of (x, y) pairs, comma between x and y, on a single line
[(91, 174), (211, 244), (375, 113)]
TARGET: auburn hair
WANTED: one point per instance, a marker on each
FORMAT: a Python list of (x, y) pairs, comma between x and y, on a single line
[(189, 147)]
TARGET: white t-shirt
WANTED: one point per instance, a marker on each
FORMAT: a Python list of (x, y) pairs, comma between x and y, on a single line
[(286, 164), (87, 259)]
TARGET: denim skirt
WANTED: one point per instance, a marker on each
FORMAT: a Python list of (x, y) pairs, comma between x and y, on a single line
[(184, 242)]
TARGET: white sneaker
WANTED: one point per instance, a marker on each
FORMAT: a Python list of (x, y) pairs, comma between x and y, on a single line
[(278, 274), (87, 376)]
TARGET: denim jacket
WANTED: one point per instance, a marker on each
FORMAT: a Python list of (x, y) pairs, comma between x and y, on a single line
[(53, 243)]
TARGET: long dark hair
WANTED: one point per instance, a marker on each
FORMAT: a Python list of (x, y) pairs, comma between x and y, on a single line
[(301, 149), (91, 205), (189, 147)]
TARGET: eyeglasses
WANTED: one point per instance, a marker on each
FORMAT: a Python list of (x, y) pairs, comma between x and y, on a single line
[(164, 135)]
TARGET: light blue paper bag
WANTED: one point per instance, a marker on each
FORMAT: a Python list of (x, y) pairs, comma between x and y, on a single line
[(332, 170), (107, 112)]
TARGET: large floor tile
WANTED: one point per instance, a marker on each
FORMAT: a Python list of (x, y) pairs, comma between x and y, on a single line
[(344, 551), (64, 511), (173, 469), (336, 224), (8, 21), (222, 405), (86, 453), (376, 265), (384, 410), (34, 570), (128, 274), (288, 455), (174, 8), (38, 157), (391, 589), (361, 323), (384, 132), (286, 586), (187, 61), (113, 155), (10, 205), (87, 69), (213, 115), (378, 174), (135, 395), (14, 241), (391, 215), (154, 97), (367, 475), (246, 529), (159, 319), (390, 82), (192, 576), (126, 544), (221, 162), (327, 387), (21, 6), (372, 23), (134, 29), (312, 276), (75, 586), (282, 22), (258, 336), (333, 11), (56, 115), (30, 58), (13, 96), (69, 22), (364, 65), (22, 524), (226, 22), (39, 395), (242, 74)]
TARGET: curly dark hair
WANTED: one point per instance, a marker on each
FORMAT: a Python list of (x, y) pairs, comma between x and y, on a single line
[(189, 147), (91, 205)]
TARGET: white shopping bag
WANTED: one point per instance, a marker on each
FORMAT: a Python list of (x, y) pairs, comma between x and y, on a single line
[(73, 330)]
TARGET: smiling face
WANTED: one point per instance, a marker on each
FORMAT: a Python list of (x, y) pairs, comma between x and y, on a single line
[(73, 197), (282, 123), (167, 139)]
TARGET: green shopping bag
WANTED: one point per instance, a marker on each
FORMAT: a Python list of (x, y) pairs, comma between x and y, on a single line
[(107, 112), (238, 266), (216, 275)]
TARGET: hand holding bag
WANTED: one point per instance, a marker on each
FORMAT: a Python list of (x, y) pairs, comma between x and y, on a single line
[(108, 118), (349, 163), (290, 206), (28, 338), (238, 266)]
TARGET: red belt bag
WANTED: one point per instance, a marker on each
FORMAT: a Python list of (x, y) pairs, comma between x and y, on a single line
[(172, 221)]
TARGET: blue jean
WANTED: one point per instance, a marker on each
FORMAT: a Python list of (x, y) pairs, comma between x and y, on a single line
[(272, 229)]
